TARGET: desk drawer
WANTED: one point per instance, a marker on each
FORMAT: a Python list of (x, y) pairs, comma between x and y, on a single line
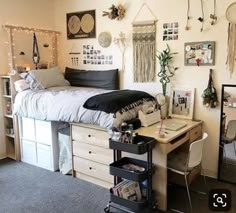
[(93, 169), (177, 142), (94, 153), (90, 136), (195, 133)]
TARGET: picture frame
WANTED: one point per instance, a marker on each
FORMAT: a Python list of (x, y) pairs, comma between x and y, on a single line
[(182, 102), (200, 53), (81, 24)]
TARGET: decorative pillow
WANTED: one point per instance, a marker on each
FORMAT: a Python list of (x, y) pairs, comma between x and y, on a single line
[(32, 83), (105, 79), (45, 78), (21, 85), (118, 101)]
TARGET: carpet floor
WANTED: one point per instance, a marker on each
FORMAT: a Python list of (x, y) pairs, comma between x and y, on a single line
[(29, 189)]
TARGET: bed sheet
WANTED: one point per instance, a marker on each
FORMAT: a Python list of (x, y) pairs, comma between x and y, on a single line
[(61, 104)]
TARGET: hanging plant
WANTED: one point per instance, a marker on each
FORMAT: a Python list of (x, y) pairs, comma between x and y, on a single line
[(167, 70), (116, 12), (209, 94)]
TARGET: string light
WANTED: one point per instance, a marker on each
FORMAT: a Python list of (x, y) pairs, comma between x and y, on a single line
[(29, 30)]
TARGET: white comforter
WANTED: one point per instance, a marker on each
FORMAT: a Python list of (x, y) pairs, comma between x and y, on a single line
[(61, 104)]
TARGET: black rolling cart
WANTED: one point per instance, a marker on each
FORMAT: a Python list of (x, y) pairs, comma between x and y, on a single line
[(141, 144)]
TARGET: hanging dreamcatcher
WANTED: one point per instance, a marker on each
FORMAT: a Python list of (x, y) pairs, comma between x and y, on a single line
[(209, 94), (36, 55), (231, 56)]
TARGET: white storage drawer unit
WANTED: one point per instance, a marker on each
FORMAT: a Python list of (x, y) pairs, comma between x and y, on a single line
[(39, 143), (28, 152)]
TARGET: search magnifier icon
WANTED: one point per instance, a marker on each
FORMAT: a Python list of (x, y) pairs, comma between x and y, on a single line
[(219, 200)]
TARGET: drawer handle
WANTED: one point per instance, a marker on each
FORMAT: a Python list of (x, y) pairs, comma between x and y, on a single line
[(91, 168), (89, 136), (90, 152)]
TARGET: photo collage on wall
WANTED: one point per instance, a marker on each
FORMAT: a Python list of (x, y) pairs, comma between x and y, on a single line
[(170, 31), (93, 56)]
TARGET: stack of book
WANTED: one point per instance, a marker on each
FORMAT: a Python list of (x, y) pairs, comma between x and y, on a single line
[(6, 83), (128, 189)]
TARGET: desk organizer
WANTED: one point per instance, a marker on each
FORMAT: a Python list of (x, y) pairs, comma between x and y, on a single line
[(149, 119)]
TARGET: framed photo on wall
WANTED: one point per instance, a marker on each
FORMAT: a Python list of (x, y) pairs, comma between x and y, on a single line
[(81, 24), (182, 103), (199, 53)]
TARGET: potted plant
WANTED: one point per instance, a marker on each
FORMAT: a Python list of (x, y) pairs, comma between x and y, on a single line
[(166, 69), (166, 72)]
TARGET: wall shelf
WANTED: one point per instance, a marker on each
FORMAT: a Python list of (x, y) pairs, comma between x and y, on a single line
[(7, 96), (11, 136), (8, 116)]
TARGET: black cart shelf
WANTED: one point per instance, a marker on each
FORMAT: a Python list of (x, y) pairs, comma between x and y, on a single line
[(141, 145)]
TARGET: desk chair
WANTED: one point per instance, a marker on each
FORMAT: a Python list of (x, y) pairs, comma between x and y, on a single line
[(229, 137), (184, 163)]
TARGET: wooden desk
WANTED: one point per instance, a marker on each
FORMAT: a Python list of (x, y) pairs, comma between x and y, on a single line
[(171, 141), (92, 156)]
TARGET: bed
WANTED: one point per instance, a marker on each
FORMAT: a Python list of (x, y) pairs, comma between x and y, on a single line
[(66, 103), (41, 112)]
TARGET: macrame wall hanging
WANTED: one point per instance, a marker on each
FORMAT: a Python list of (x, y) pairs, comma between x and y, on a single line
[(231, 55), (144, 48), (36, 55)]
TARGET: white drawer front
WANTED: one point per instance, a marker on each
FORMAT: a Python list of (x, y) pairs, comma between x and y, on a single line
[(44, 157), (28, 152), (28, 130), (93, 169), (94, 153), (43, 132), (90, 136)]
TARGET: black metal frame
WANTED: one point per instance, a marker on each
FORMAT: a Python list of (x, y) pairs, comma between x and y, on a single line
[(220, 135), (117, 155)]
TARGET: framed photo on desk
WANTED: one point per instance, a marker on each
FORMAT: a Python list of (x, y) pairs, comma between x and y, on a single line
[(182, 103)]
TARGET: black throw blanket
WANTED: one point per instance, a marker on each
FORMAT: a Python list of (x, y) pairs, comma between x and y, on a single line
[(117, 101)]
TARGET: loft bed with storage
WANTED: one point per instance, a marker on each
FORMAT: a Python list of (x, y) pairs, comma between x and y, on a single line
[(46, 102)]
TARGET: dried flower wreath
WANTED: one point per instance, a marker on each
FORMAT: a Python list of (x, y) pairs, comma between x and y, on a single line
[(116, 12)]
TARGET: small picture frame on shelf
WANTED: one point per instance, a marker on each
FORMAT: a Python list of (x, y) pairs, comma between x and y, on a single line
[(182, 103)]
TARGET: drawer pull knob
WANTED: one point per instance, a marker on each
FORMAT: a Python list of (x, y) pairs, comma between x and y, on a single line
[(90, 152), (90, 168), (89, 136)]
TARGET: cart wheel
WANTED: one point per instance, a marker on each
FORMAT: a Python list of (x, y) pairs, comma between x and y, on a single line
[(154, 206), (107, 209)]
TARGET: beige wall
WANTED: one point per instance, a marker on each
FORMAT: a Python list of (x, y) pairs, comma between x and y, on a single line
[(29, 13), (165, 11), (41, 14)]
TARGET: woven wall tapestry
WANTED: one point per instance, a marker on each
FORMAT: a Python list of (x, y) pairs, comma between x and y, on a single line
[(231, 48), (144, 50)]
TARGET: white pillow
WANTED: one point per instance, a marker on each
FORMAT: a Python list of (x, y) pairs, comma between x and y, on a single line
[(21, 85), (46, 78)]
